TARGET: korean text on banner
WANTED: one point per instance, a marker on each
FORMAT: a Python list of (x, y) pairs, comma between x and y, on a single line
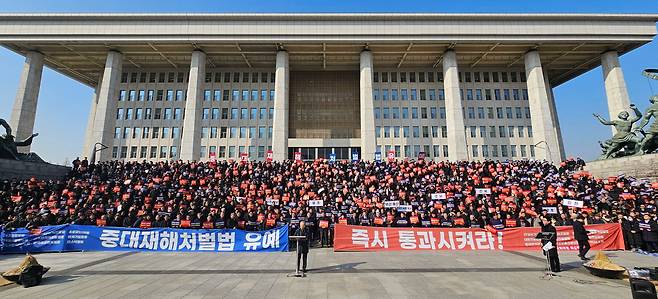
[(366, 238), (93, 238)]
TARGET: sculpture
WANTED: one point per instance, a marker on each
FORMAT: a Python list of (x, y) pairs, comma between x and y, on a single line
[(650, 142), (625, 142), (9, 147)]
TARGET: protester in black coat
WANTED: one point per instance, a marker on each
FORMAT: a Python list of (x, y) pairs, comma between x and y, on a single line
[(649, 230), (302, 249), (553, 257), (580, 234)]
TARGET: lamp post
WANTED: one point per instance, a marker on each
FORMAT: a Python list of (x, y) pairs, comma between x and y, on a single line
[(548, 149)]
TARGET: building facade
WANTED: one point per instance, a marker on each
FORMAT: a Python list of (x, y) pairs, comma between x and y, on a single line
[(231, 86)]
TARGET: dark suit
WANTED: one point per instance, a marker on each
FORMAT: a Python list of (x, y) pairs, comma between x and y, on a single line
[(580, 234), (302, 249), (553, 257)]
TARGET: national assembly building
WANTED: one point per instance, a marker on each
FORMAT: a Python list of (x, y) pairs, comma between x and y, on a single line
[(321, 86)]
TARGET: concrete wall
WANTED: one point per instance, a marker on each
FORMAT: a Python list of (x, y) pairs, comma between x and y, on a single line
[(639, 167), (12, 169)]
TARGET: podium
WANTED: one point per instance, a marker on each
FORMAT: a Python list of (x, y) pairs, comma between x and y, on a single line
[(297, 273), (547, 236)]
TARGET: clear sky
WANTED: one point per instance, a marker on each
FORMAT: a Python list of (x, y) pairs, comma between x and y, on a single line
[(64, 104)]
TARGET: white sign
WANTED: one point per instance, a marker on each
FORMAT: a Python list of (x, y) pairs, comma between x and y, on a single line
[(572, 203), (405, 208), (438, 196), (315, 203), (392, 204), (548, 246), (550, 210), (272, 201), (482, 191)]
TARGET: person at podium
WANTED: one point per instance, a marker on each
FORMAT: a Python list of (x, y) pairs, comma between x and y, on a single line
[(554, 259), (302, 249)]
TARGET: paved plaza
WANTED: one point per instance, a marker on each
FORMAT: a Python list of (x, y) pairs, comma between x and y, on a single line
[(332, 275)]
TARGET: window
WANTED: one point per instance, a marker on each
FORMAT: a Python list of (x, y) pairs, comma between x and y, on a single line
[(178, 113), (405, 113), (179, 95), (138, 113), (414, 113), (515, 94), (124, 151), (132, 95), (254, 113), (213, 132), (497, 95), (149, 95), (254, 95), (520, 130), (506, 94), (245, 94), (235, 95), (163, 152), (518, 112), (433, 112), (167, 113), (120, 113), (487, 94), (492, 131), (471, 112), (215, 113), (442, 112), (140, 96), (129, 113), (117, 133), (502, 131), (234, 113), (244, 113), (145, 133), (480, 112), (217, 95), (475, 151), (205, 113), (416, 132), (122, 95), (472, 130), (156, 133), (483, 131), (170, 95), (414, 95), (159, 95)]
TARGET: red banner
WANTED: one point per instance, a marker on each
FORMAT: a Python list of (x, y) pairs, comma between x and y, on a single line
[(366, 238)]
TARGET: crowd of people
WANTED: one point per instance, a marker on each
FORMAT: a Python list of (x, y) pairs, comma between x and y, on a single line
[(262, 195)]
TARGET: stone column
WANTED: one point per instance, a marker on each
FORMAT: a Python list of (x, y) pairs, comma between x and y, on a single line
[(191, 139), (543, 128), (25, 104), (368, 139), (88, 147), (280, 121), (556, 120), (454, 113), (615, 86), (104, 119)]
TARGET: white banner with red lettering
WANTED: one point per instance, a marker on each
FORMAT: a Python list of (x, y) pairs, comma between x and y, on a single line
[(367, 238)]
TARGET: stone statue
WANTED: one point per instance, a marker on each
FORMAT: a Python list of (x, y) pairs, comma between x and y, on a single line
[(650, 142), (625, 142), (9, 147)]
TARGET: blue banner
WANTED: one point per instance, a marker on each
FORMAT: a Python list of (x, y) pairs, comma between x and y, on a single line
[(71, 237)]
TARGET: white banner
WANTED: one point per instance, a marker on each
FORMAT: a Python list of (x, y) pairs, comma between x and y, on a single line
[(392, 204), (550, 210), (272, 201), (572, 203), (405, 208), (480, 191), (315, 203), (438, 196)]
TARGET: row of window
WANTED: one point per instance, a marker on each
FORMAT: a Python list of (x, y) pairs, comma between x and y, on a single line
[(232, 153), (244, 113), (144, 152), (477, 151), (236, 95), (207, 113), (206, 132), (183, 77), (147, 113), (385, 77), (236, 132), (431, 94), (147, 132), (208, 95), (433, 131), (440, 112)]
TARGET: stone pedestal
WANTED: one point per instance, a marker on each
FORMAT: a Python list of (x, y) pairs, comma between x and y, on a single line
[(12, 169), (639, 167)]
